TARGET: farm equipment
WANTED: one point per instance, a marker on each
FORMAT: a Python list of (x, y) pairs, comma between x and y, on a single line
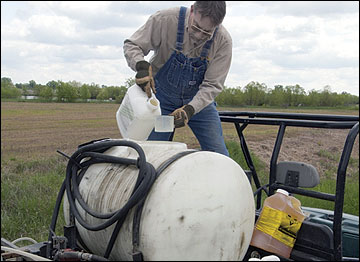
[(324, 235)]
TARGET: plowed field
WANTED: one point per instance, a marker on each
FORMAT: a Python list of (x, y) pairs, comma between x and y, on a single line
[(30, 130)]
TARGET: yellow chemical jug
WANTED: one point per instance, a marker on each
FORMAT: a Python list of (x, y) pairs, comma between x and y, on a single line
[(277, 226)]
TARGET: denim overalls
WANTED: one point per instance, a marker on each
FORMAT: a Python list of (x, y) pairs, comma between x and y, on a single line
[(177, 82)]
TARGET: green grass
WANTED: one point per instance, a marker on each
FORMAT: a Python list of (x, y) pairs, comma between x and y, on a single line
[(330, 161), (327, 154), (237, 155), (28, 195), (351, 198)]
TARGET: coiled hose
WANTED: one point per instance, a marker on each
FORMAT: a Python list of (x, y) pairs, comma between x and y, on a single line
[(76, 168)]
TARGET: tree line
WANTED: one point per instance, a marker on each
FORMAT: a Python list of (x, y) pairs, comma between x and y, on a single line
[(256, 94), (253, 94), (61, 91)]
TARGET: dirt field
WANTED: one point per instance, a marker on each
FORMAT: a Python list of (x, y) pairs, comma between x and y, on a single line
[(320, 148), (31, 130)]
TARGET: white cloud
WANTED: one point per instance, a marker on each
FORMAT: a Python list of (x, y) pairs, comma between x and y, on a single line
[(313, 8), (312, 44)]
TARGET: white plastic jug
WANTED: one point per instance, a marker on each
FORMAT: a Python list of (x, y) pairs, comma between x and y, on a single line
[(136, 114)]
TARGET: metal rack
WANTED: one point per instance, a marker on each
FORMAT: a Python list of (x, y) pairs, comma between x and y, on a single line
[(243, 119)]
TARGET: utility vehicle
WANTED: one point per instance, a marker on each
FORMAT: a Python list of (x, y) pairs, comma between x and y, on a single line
[(325, 234)]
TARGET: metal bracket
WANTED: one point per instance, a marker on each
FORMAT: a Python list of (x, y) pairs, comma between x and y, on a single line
[(292, 178)]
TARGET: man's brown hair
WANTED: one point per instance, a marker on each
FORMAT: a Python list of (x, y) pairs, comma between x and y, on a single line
[(215, 10)]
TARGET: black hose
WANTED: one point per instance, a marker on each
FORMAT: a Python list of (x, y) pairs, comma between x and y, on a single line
[(120, 222), (92, 153), (76, 169), (262, 188), (56, 210), (137, 255), (137, 215), (145, 178)]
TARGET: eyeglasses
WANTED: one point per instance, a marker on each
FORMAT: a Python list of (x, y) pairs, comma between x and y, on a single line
[(198, 30)]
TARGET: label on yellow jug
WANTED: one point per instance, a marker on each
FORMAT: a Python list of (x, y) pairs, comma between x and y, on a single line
[(279, 225)]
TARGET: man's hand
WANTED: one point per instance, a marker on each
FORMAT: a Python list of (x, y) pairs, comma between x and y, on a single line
[(182, 115), (144, 77)]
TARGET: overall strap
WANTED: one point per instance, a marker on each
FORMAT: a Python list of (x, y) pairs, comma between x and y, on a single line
[(180, 30), (206, 48)]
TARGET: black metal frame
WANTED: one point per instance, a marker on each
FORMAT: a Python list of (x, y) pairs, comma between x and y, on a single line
[(299, 120)]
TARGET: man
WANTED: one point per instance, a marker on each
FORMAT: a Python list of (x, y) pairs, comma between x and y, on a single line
[(192, 57)]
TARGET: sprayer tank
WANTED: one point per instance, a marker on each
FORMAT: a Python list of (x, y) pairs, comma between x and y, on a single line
[(201, 207)]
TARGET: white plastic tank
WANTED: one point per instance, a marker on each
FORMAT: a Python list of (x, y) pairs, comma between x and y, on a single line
[(136, 114), (201, 207)]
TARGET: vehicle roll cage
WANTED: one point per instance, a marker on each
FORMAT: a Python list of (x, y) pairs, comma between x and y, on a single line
[(284, 120)]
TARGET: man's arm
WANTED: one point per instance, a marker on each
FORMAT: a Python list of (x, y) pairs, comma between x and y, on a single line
[(145, 39)]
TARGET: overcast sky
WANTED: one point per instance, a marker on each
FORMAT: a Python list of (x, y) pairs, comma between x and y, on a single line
[(309, 43)]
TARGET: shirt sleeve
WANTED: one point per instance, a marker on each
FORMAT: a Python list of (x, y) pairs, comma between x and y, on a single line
[(145, 39), (215, 76)]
